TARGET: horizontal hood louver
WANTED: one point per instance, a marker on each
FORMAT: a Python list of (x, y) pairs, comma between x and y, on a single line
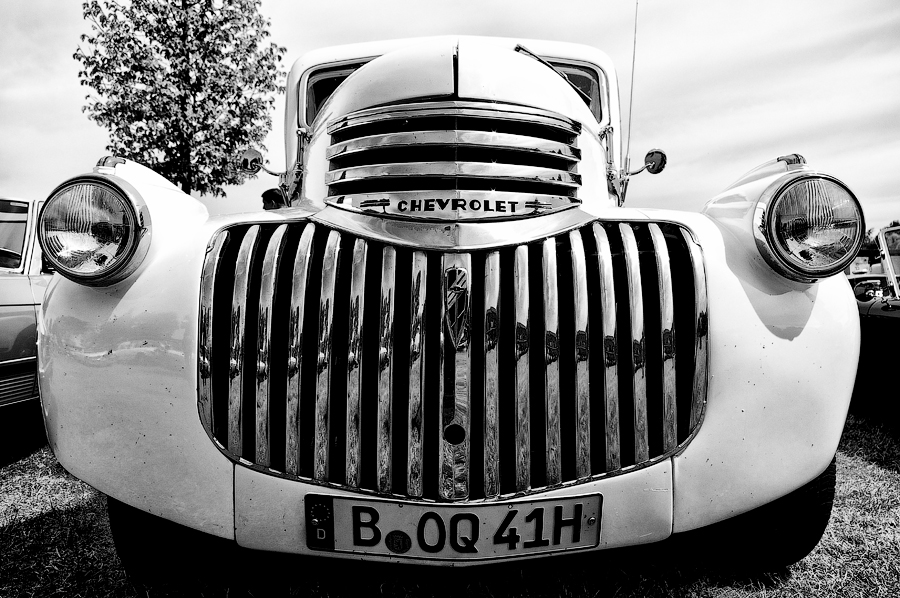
[(465, 159)]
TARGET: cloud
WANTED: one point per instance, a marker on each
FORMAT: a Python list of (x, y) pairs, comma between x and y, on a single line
[(721, 86)]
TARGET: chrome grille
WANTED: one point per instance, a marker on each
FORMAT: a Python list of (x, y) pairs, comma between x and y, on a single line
[(448, 150), (18, 380), (452, 376)]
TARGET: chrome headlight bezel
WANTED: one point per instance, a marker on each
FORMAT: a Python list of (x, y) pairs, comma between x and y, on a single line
[(137, 244), (766, 235)]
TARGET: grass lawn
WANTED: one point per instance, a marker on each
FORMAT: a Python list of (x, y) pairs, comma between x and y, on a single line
[(55, 541)]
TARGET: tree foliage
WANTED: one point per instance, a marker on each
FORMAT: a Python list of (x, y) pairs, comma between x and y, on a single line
[(182, 86)]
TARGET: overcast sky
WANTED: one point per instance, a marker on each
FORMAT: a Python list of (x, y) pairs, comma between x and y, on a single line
[(721, 86)]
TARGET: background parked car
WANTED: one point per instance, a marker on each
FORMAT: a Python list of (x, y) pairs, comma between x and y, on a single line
[(879, 313), (23, 280)]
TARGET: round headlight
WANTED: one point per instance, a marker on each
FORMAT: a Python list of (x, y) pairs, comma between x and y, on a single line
[(809, 227), (94, 230)]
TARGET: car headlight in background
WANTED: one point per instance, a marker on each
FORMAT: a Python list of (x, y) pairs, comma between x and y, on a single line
[(94, 229), (809, 226)]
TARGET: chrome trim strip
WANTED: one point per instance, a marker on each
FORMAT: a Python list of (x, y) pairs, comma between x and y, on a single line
[(458, 138), (300, 282), (491, 375), (384, 444), (482, 170), (236, 355), (580, 351), (610, 347), (507, 112), (416, 413), (520, 345), (638, 342), (667, 340), (701, 321), (452, 236), (455, 352), (354, 360), (267, 290), (551, 363), (19, 360), (214, 251), (330, 265)]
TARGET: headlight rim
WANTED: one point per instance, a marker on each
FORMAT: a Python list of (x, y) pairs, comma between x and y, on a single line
[(138, 244), (764, 231)]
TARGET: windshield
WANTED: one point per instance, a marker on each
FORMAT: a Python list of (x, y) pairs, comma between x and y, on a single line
[(13, 222), (322, 84), (584, 79)]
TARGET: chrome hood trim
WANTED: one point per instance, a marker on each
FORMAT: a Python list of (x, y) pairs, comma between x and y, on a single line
[(453, 236)]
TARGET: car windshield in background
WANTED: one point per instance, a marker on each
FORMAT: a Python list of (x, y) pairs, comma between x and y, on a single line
[(892, 248), (13, 222), (892, 239)]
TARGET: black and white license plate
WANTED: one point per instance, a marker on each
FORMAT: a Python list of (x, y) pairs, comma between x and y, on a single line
[(452, 531)]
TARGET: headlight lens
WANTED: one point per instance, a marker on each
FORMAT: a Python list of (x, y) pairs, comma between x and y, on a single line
[(93, 230), (812, 227)]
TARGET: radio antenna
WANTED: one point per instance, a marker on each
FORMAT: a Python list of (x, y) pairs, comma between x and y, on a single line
[(631, 93)]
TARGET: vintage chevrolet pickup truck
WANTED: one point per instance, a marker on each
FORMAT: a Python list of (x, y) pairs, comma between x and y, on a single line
[(450, 343)]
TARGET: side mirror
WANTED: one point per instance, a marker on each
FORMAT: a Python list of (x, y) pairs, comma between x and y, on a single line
[(655, 161), (251, 161)]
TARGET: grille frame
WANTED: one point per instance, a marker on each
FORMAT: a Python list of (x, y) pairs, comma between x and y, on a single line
[(350, 246)]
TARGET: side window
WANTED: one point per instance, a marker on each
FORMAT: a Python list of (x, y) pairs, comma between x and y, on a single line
[(322, 84)]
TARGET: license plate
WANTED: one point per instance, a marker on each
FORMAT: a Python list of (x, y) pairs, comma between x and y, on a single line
[(475, 531)]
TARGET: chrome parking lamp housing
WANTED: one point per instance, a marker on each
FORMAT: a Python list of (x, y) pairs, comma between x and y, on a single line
[(808, 226), (95, 229)]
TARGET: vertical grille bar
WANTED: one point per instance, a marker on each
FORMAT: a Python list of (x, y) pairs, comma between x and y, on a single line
[(521, 347), (295, 353), (455, 358), (609, 333), (416, 414), (354, 360), (638, 343), (385, 370), (330, 265), (271, 265), (491, 375), (214, 253), (238, 331), (582, 359), (701, 321), (667, 326), (551, 363)]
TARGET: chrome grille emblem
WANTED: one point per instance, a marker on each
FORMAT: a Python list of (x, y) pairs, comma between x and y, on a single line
[(456, 306)]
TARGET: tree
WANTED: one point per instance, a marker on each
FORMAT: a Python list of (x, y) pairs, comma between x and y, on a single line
[(183, 86)]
